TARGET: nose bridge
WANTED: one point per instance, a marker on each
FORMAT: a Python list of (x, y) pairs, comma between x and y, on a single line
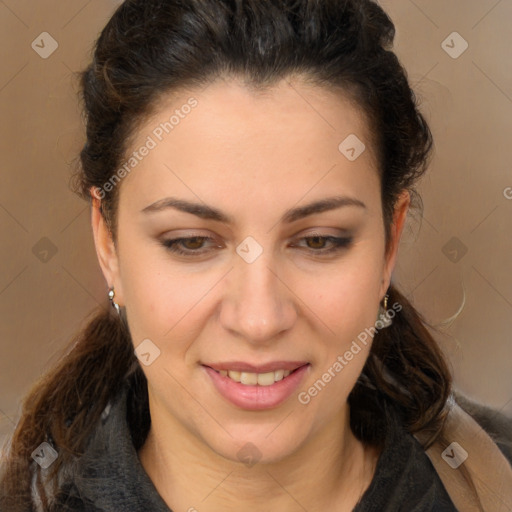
[(259, 306)]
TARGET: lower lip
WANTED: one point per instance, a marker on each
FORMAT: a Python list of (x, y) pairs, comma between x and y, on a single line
[(257, 398)]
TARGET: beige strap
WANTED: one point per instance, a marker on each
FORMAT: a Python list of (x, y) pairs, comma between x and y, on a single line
[(469, 446)]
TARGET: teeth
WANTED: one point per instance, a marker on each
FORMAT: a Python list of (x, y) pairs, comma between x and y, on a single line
[(249, 379), (253, 379), (234, 375), (266, 379)]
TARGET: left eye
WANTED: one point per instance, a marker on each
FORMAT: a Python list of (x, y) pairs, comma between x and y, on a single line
[(337, 243), (190, 246)]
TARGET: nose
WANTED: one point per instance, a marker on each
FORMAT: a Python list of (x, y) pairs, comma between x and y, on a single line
[(259, 304)]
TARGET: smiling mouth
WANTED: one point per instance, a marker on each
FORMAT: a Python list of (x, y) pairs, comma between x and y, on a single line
[(256, 379), (253, 386)]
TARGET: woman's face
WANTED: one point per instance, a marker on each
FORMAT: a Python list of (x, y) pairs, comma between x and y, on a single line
[(250, 292)]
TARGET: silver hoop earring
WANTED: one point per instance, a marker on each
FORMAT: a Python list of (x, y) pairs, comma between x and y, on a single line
[(111, 295)]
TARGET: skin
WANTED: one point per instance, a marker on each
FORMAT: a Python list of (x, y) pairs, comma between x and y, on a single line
[(253, 156)]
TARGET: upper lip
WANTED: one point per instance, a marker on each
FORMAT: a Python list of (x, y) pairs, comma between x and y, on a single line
[(272, 366)]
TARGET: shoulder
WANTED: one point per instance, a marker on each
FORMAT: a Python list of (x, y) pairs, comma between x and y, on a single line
[(73, 488), (70, 500), (497, 425), (404, 477), (108, 475)]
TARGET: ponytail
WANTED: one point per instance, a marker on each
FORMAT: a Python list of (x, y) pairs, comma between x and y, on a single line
[(63, 408)]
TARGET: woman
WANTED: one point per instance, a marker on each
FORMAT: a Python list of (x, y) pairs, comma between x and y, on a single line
[(250, 166)]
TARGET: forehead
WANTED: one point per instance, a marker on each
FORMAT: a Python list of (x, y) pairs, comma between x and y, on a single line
[(228, 139)]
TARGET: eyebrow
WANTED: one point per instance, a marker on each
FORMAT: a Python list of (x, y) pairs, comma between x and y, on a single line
[(292, 215)]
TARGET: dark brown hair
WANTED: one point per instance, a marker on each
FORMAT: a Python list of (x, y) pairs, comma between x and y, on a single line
[(152, 47)]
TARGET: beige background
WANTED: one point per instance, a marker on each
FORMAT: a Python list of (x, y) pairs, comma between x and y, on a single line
[(468, 101)]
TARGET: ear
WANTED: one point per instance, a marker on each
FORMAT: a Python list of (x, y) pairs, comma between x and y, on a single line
[(105, 248), (399, 215)]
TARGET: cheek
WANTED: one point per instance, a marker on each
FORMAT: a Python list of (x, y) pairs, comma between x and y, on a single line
[(344, 296), (345, 304), (150, 290), (165, 302)]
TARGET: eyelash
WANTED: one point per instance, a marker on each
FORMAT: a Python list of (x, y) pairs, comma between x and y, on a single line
[(338, 245)]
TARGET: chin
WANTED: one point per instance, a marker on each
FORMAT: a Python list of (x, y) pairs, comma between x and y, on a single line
[(263, 445)]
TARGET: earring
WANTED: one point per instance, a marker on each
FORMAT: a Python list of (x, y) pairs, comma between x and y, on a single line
[(382, 316), (111, 295)]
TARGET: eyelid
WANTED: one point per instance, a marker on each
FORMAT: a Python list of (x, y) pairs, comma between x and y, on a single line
[(339, 233), (337, 244)]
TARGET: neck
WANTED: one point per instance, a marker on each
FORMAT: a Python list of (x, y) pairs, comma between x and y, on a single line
[(330, 470)]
